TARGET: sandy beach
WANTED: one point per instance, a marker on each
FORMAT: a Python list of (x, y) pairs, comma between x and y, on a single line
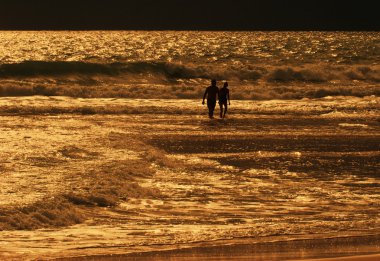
[(345, 248)]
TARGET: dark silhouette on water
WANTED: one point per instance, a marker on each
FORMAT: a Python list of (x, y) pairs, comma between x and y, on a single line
[(224, 96), (212, 93)]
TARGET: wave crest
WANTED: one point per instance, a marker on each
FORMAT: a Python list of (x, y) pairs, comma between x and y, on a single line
[(320, 74), (306, 73)]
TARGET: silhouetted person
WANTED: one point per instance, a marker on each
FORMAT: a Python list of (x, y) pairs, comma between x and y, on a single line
[(212, 93), (224, 96)]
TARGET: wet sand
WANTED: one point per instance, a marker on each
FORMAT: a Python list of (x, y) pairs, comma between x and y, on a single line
[(345, 248), (351, 258)]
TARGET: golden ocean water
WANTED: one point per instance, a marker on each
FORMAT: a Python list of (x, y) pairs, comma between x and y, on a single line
[(107, 149), (264, 65)]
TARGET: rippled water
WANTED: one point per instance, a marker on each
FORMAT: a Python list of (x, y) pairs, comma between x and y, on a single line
[(204, 47), (261, 65), (273, 170), (107, 149)]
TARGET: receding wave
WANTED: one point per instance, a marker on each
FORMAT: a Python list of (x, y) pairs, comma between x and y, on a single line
[(105, 187), (306, 73)]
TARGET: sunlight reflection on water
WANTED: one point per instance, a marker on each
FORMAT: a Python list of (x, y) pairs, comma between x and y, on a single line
[(272, 168)]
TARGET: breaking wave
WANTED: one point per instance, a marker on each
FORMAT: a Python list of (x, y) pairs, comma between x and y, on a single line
[(169, 80), (307, 73), (107, 185)]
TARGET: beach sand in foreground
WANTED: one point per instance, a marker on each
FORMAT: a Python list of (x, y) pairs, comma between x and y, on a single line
[(346, 248), (351, 258)]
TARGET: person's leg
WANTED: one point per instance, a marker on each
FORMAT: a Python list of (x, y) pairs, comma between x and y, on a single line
[(221, 109), (211, 107), (225, 109)]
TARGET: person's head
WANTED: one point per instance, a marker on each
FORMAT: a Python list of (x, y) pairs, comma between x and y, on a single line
[(213, 82), (225, 85)]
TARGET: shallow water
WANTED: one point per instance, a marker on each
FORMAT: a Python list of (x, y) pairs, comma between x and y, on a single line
[(158, 174)]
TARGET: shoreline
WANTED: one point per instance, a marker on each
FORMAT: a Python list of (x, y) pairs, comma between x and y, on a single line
[(361, 248), (369, 257)]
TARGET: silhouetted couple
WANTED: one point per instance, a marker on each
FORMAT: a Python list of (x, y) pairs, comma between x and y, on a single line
[(213, 93)]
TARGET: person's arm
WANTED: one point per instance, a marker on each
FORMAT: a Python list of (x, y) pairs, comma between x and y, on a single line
[(204, 96), (228, 96)]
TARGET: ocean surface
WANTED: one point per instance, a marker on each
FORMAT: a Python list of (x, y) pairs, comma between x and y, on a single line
[(261, 65), (107, 149)]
